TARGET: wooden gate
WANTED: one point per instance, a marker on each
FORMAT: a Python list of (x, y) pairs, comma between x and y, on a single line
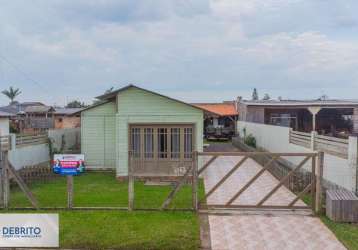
[(164, 152), (314, 185)]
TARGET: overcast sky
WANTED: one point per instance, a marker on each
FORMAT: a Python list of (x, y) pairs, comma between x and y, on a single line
[(194, 50)]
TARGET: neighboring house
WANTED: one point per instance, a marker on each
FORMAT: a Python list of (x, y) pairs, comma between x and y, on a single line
[(37, 119), (5, 123), (29, 117), (327, 117), (67, 118), (160, 132), (33, 117), (16, 108), (220, 119)]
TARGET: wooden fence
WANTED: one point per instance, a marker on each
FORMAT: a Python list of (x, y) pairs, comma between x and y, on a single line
[(5, 143), (39, 173), (331, 145), (31, 139)]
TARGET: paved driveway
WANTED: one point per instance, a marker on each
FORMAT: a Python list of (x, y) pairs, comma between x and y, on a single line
[(279, 231)]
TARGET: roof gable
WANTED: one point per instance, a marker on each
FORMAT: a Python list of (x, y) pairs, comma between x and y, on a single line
[(114, 93)]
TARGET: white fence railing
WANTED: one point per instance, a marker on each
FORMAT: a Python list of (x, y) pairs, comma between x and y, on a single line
[(23, 140), (340, 158), (332, 145), (33, 149)]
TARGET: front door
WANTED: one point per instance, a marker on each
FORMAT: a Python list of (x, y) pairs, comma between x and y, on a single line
[(161, 150)]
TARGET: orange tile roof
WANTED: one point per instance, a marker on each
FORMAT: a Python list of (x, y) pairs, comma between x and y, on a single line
[(222, 109)]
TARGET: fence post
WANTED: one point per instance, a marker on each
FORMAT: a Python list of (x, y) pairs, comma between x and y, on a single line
[(5, 179), (195, 181), (353, 161), (313, 138), (130, 184), (319, 179), (1, 178), (69, 191), (12, 141), (313, 183)]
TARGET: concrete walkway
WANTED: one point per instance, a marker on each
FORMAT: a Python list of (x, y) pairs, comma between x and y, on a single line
[(259, 231)]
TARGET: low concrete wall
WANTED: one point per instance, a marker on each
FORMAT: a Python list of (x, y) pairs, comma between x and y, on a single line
[(65, 139), (29, 155), (276, 139)]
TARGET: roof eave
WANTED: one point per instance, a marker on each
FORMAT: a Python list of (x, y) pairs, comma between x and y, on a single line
[(92, 106)]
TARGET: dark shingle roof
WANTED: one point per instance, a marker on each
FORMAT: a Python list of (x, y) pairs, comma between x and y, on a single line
[(5, 114), (38, 109), (67, 111)]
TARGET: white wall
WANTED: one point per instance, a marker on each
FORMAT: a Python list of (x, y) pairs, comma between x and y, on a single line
[(276, 139), (4, 126), (29, 155)]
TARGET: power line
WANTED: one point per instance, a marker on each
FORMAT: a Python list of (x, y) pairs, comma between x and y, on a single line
[(26, 76)]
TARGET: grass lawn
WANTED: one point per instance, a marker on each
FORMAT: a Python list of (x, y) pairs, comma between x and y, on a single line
[(347, 233), (117, 229), (129, 230), (99, 189)]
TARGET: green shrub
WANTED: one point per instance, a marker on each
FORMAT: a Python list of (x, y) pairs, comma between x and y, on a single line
[(250, 141), (13, 128)]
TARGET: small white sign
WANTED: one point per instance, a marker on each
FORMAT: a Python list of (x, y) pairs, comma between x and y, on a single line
[(29, 230)]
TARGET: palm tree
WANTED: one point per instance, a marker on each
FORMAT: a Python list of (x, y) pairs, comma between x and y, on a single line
[(12, 93)]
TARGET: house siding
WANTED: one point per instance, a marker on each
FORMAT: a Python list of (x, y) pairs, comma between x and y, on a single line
[(104, 132), (98, 140), (139, 106)]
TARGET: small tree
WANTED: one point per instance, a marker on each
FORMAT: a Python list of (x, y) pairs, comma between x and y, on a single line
[(11, 93), (255, 95), (76, 104), (266, 97)]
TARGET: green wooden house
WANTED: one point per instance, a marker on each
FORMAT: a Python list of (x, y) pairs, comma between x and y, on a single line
[(154, 133)]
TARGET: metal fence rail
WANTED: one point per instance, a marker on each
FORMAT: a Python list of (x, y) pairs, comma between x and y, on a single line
[(328, 144)]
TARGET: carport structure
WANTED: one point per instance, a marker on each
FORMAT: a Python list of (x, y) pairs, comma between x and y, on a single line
[(327, 117)]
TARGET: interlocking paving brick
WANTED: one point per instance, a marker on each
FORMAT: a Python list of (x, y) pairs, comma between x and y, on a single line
[(270, 232)]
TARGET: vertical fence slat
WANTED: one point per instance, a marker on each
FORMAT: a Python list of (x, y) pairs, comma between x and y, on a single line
[(70, 191), (6, 187), (313, 183), (319, 178)]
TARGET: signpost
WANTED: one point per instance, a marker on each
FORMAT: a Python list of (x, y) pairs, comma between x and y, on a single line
[(69, 165)]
